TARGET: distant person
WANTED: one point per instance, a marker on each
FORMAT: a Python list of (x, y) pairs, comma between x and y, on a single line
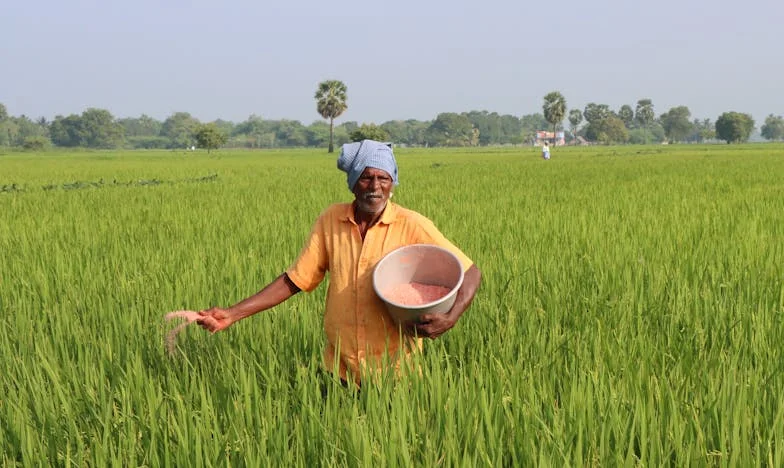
[(348, 240), (546, 151)]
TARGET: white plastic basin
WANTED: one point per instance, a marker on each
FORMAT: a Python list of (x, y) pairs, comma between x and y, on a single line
[(418, 263)]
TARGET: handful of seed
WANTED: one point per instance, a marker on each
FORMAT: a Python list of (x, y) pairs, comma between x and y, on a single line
[(190, 317)]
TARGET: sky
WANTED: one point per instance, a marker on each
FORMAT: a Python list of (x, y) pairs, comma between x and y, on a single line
[(401, 59)]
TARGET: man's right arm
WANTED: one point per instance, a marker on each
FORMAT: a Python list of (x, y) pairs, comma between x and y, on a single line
[(279, 290)]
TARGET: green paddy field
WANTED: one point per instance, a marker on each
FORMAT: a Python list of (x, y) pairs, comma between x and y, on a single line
[(631, 311)]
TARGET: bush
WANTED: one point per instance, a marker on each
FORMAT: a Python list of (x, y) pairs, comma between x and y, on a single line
[(36, 143)]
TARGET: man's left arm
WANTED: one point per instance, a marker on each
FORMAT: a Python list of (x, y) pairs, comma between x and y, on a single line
[(434, 325)]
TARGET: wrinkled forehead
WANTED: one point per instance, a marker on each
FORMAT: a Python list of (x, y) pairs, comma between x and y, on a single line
[(374, 171)]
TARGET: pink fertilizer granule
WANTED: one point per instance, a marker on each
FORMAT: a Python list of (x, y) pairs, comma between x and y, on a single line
[(171, 338), (412, 294)]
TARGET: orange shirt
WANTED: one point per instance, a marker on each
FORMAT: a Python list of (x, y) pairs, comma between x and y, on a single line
[(359, 330)]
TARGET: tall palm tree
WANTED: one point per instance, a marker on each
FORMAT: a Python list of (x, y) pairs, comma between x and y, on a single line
[(575, 119), (644, 115), (554, 108), (330, 103)]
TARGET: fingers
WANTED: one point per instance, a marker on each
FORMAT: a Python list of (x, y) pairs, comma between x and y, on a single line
[(216, 312), (211, 324), (420, 329), (429, 326)]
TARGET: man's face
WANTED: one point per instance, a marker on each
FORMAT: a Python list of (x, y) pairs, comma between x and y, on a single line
[(372, 190)]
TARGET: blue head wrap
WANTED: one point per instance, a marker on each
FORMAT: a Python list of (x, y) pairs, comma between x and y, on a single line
[(355, 157)]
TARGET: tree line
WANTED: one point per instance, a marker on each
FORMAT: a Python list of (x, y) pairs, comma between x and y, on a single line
[(600, 123), (595, 123)]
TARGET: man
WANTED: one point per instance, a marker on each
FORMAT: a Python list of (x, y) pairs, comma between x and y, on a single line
[(348, 240)]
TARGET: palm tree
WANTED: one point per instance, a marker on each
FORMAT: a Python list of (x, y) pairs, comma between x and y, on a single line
[(575, 119), (554, 109), (644, 115), (330, 103)]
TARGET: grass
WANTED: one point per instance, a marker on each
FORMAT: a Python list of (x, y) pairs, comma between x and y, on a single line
[(631, 311)]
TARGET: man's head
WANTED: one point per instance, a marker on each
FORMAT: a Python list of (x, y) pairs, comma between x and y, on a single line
[(356, 157), (371, 173), (372, 190)]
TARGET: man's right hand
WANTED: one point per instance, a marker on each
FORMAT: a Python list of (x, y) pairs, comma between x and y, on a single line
[(215, 319)]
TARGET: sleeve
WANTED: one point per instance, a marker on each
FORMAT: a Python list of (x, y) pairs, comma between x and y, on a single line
[(309, 269)]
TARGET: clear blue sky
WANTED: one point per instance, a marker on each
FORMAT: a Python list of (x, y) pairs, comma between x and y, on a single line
[(399, 59)]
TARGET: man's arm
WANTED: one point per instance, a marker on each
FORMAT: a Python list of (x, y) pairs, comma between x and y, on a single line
[(279, 290)]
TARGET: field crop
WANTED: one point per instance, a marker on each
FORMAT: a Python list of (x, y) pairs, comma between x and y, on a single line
[(631, 311)]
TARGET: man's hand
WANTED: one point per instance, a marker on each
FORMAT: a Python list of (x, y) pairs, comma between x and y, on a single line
[(434, 325), (431, 325), (215, 319)]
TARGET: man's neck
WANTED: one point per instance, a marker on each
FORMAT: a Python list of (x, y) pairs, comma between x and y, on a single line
[(366, 219)]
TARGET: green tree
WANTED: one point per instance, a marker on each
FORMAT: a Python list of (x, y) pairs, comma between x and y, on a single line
[(707, 130), (488, 125), (450, 129), (348, 127), (100, 130), (773, 128), (734, 127), (317, 133), (225, 126), (290, 133), (596, 113), (210, 136), (66, 131), (575, 119), (495, 129), (408, 132), (644, 115), (369, 132), (143, 132), (640, 136), (613, 131), (676, 123), (25, 129), (554, 108), (701, 130), (144, 126), (8, 132), (608, 130), (331, 97), (254, 132), (510, 130), (626, 114), (180, 128)]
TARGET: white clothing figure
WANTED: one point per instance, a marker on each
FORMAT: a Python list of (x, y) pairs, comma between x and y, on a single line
[(546, 151)]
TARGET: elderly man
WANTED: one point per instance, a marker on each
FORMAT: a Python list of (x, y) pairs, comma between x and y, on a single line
[(348, 239)]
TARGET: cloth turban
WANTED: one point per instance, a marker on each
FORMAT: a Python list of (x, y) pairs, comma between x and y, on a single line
[(355, 157)]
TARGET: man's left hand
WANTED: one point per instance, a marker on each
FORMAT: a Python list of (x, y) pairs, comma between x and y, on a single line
[(432, 325)]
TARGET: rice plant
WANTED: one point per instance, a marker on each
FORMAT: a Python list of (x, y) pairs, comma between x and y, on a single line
[(631, 311)]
